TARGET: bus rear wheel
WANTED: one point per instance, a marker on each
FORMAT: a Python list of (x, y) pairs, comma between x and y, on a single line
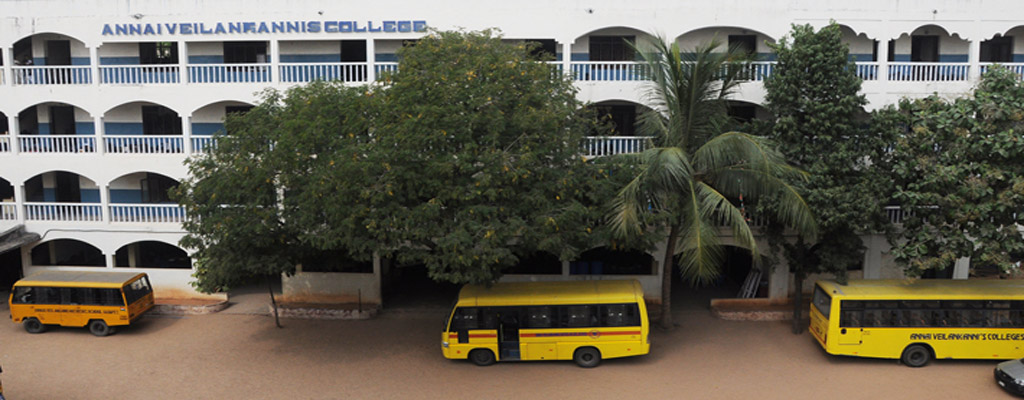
[(916, 355), (33, 325), (100, 328), (587, 357), (481, 357)]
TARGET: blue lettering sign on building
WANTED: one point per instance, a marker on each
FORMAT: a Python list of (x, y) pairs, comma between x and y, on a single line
[(253, 27)]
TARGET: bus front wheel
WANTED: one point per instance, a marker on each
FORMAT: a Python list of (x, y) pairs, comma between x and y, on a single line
[(33, 325), (916, 355), (481, 357), (100, 328), (587, 357)]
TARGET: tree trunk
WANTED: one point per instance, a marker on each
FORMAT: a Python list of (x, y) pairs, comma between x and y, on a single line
[(270, 290), (666, 279), (798, 300)]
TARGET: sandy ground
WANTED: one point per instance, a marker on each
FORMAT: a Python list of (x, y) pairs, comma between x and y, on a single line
[(236, 355)]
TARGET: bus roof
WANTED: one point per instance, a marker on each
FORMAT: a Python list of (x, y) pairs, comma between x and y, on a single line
[(927, 288), (571, 292), (78, 278)]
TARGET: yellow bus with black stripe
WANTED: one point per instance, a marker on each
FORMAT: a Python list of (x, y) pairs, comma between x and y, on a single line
[(917, 321), (100, 301), (583, 321)]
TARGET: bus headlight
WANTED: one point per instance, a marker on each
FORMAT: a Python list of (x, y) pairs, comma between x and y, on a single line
[(444, 344)]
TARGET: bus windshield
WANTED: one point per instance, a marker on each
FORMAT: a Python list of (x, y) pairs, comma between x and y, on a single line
[(822, 301), (137, 290)]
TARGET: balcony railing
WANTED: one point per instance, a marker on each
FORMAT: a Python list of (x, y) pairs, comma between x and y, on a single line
[(138, 74), (5, 144), (57, 143), (228, 73), (1016, 68), (144, 144), (63, 212), (203, 144), (8, 212), (928, 71), (596, 146), (384, 67), (867, 71), (53, 75), (587, 71), (308, 72), (147, 213)]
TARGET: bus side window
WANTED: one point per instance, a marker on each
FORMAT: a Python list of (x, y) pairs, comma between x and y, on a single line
[(618, 315), (24, 295), (72, 296), (488, 318), (48, 295), (578, 316), (539, 317), (850, 319), (465, 319), (111, 297)]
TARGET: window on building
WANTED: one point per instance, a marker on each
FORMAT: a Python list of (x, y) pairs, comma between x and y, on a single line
[(924, 48), (158, 120), (745, 43), (545, 49), (998, 49), (622, 119), (62, 120), (245, 52), (612, 48), (353, 51), (158, 53)]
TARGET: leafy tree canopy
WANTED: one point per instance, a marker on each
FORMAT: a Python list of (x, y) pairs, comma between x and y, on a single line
[(959, 176), (820, 125)]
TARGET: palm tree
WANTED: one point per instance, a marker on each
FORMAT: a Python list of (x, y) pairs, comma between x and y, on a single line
[(687, 179)]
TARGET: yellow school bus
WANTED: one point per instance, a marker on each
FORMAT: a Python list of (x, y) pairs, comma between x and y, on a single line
[(917, 321), (99, 300), (583, 321)]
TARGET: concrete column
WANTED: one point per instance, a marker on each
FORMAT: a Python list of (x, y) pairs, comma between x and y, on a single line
[(94, 64), (883, 60), (14, 128), (110, 260), (105, 203), (778, 280), (962, 268), (133, 255), (974, 58), (371, 59), (19, 200), (565, 268), (873, 257), (101, 144), (8, 71), (275, 55), (567, 58), (186, 133), (182, 62)]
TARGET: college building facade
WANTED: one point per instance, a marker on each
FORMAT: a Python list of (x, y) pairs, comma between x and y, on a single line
[(102, 102)]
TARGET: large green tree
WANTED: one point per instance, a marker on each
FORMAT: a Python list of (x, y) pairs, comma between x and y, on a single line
[(960, 178), (820, 125), (261, 200), (480, 148), (688, 182)]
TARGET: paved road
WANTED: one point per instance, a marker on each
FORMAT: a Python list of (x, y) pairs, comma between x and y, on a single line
[(396, 356)]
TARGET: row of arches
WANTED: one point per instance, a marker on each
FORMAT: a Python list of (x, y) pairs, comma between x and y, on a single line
[(130, 117), (79, 253), (141, 187)]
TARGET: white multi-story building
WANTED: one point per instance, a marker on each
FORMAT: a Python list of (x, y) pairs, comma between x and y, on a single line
[(101, 102)]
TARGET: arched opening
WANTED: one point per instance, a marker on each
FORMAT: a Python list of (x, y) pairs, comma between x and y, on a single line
[(5, 134), (8, 208), (67, 252), (928, 53), (609, 54), (152, 254), (739, 276), (142, 188), (51, 59), (752, 42), (743, 112), (609, 261), (142, 127), (54, 127), (539, 263)]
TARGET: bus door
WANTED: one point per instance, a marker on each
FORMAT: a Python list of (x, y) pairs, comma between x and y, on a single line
[(508, 334), (851, 317)]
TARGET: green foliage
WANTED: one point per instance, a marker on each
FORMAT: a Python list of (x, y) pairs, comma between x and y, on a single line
[(689, 181), (259, 202), (820, 125), (958, 171), (480, 148)]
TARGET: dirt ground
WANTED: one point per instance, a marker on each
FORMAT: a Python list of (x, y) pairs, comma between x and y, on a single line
[(397, 356)]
